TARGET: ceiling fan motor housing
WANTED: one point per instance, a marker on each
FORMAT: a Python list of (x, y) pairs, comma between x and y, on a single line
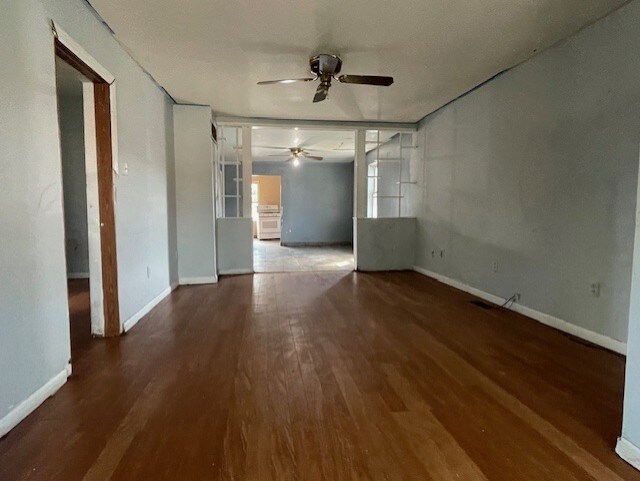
[(325, 64)]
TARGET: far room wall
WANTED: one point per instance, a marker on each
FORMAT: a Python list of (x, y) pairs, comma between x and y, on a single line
[(70, 107), (317, 201), (268, 189)]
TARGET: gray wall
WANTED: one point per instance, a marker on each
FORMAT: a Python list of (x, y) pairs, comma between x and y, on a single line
[(234, 238), (385, 244), (34, 326), (631, 421), (194, 188), (537, 170), (317, 201), (74, 182)]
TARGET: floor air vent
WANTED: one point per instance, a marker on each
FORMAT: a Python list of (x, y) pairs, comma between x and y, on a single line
[(483, 305)]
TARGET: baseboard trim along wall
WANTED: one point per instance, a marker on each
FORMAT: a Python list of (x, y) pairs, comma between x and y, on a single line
[(564, 326), (193, 281), (26, 407), (629, 452), (233, 272), (133, 320)]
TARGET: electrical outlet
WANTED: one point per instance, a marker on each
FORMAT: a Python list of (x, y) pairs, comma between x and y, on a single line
[(494, 266), (594, 289)]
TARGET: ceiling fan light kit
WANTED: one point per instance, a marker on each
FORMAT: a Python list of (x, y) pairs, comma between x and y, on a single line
[(326, 67)]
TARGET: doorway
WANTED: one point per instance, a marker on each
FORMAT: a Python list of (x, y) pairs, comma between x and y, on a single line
[(85, 120), (74, 188), (302, 199)]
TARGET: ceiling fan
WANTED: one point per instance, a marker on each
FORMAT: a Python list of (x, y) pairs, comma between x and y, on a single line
[(327, 67), (295, 154)]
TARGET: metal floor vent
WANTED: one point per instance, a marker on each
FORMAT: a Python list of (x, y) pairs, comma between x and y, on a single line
[(483, 305)]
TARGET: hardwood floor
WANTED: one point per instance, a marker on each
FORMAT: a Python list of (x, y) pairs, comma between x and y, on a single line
[(79, 317), (328, 376)]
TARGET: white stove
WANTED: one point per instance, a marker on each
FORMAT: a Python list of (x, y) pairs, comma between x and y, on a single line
[(269, 221)]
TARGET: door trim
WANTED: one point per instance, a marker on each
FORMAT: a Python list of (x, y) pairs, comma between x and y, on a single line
[(99, 151)]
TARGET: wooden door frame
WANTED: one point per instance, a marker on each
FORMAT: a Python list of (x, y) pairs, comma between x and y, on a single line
[(100, 94)]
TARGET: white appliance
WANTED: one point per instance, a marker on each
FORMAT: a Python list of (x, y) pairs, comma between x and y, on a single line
[(269, 222)]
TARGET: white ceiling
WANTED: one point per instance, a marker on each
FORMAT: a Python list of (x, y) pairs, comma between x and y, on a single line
[(272, 144), (213, 52), (333, 146)]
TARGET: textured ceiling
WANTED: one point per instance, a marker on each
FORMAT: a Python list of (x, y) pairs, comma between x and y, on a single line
[(213, 52)]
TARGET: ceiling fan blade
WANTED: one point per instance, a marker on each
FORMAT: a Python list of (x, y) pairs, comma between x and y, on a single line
[(287, 81), (366, 80), (270, 147), (279, 155), (312, 157), (321, 93), (289, 159)]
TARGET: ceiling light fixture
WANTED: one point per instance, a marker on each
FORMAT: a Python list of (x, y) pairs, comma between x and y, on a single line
[(296, 161)]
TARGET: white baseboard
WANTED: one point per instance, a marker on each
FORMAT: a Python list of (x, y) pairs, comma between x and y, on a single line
[(77, 275), (231, 272), (629, 452), (192, 281), (26, 407), (133, 320), (562, 325)]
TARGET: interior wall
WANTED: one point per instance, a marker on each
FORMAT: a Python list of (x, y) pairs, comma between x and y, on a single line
[(194, 188), (317, 201), (629, 444), (268, 189), (172, 230), (385, 244), (234, 245), (71, 116), (528, 184), (34, 345)]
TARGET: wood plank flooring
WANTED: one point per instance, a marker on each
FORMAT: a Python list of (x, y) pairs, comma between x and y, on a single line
[(328, 376)]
